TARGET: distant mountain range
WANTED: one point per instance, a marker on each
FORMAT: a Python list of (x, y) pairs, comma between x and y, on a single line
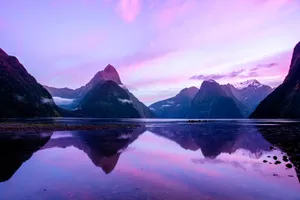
[(104, 96), (284, 101), (213, 100)]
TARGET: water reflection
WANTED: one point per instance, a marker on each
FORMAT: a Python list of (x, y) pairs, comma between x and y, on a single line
[(16, 148), (214, 139), (240, 142), (103, 148), (154, 161)]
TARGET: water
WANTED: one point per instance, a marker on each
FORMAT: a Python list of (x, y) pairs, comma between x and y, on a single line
[(161, 159)]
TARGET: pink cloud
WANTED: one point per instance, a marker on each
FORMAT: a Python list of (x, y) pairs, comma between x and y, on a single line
[(173, 10), (129, 9)]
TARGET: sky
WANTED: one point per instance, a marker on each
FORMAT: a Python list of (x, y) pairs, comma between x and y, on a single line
[(158, 46)]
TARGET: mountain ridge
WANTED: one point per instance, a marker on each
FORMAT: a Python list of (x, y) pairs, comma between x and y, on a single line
[(212, 102), (284, 101), (108, 73), (246, 98), (175, 107), (21, 94)]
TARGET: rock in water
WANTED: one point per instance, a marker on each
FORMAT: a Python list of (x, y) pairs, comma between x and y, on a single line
[(21, 95), (284, 101)]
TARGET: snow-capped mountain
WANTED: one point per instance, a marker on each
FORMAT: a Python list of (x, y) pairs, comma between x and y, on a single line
[(245, 84), (250, 92), (245, 96)]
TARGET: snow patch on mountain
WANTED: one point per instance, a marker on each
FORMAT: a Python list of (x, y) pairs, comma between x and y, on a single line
[(247, 83)]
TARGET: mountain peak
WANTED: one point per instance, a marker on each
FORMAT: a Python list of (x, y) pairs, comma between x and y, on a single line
[(294, 71), (108, 74), (210, 88), (110, 69), (245, 84), (297, 48), (2, 53), (189, 92), (210, 81)]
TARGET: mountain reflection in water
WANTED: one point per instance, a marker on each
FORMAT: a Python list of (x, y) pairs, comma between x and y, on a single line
[(156, 161)]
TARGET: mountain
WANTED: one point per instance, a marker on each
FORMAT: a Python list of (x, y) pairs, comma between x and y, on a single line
[(103, 96), (109, 100), (284, 101), (109, 73), (175, 107), (247, 95), (252, 93), (245, 84), (143, 110), (212, 102), (21, 95)]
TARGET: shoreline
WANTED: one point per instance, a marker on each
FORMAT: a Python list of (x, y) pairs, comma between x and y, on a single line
[(36, 127)]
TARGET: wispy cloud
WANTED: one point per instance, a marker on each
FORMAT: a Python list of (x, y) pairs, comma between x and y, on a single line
[(269, 65), (232, 74), (125, 101), (47, 101), (260, 67), (129, 9), (62, 101)]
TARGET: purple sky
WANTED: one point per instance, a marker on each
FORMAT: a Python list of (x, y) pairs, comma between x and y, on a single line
[(156, 45)]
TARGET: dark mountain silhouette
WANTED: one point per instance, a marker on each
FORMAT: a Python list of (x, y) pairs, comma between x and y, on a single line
[(21, 95), (212, 102), (175, 107), (108, 100), (284, 101), (234, 94), (16, 148), (104, 149)]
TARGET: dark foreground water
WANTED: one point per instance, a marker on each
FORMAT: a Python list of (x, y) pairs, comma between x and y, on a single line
[(221, 160)]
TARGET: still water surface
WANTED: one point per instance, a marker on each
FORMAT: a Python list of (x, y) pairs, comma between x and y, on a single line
[(160, 159)]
